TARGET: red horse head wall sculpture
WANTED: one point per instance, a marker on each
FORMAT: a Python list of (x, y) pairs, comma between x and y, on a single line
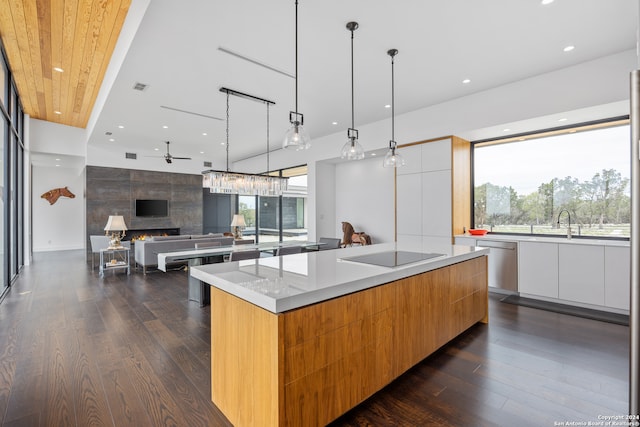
[(52, 196)]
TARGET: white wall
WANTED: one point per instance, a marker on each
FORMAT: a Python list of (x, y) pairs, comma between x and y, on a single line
[(321, 184), (60, 226), (364, 197), (26, 217), (48, 137)]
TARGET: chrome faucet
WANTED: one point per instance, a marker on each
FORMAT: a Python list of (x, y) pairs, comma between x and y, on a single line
[(569, 224)]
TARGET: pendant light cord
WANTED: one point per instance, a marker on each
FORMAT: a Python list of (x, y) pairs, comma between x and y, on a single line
[(267, 138), (296, 56), (393, 102), (228, 132), (352, 90)]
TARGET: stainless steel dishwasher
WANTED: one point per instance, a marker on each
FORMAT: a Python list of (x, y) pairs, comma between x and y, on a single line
[(503, 264)]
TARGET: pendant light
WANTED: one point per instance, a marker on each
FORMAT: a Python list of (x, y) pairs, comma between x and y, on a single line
[(296, 137), (392, 158), (227, 182), (352, 150)]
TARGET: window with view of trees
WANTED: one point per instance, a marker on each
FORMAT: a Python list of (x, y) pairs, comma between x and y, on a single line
[(522, 186)]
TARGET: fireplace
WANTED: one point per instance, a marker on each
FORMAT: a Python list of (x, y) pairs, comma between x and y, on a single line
[(135, 234)]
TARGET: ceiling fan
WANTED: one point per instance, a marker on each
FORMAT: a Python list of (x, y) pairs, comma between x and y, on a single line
[(169, 158)]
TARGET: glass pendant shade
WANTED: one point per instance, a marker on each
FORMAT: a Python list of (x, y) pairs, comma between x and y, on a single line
[(296, 138), (352, 150), (393, 159)]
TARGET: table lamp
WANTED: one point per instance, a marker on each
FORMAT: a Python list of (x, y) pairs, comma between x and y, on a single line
[(237, 224), (116, 229)]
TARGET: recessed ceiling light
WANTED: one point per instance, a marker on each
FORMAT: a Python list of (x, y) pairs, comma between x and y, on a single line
[(387, 106), (506, 130), (202, 152), (111, 139), (222, 143), (334, 123), (569, 48), (58, 69), (373, 154), (57, 165), (546, 1), (57, 112), (120, 127), (156, 149), (204, 134), (564, 119), (165, 127), (57, 160), (465, 81)]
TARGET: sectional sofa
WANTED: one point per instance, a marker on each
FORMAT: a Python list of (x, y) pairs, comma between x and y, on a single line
[(146, 251)]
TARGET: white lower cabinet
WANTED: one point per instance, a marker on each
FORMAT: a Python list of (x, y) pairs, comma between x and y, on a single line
[(617, 276), (466, 241), (588, 274), (581, 273), (538, 269)]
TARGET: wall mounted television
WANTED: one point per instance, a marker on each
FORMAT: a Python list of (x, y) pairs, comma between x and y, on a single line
[(152, 208)]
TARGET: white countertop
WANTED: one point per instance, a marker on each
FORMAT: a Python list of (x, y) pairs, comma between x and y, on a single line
[(186, 254), (544, 239), (278, 284)]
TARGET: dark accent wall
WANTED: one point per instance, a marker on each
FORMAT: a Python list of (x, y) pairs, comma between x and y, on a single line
[(269, 212), (113, 191), (217, 211)]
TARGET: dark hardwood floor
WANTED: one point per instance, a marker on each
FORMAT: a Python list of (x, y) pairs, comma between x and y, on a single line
[(78, 350)]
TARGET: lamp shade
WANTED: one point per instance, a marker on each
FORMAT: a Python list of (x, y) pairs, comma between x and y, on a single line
[(296, 138), (115, 223), (352, 150), (393, 159), (238, 221)]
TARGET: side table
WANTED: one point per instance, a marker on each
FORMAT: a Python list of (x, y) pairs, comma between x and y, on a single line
[(114, 259)]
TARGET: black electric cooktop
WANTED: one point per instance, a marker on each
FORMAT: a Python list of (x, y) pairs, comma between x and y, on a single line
[(393, 258)]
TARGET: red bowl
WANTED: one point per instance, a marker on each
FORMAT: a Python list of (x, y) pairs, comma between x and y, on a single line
[(477, 231)]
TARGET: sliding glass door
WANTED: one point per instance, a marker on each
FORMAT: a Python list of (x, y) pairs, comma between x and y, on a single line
[(3, 203), (276, 219), (11, 178), (294, 206), (247, 207)]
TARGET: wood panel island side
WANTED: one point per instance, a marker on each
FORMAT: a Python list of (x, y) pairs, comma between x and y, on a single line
[(301, 339)]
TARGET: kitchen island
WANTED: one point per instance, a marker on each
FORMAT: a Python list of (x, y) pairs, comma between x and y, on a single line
[(301, 339)]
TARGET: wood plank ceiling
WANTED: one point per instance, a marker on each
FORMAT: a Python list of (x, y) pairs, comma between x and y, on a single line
[(42, 37)]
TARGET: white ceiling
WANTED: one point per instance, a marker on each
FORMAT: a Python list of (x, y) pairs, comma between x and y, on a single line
[(176, 52)]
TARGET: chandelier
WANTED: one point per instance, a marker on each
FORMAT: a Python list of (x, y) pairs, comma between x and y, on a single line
[(243, 183), (227, 182)]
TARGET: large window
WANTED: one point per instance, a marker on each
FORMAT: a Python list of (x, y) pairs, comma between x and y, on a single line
[(273, 219), (533, 184)]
